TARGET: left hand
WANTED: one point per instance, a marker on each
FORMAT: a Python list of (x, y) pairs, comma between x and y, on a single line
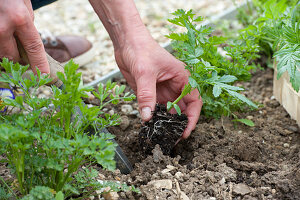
[(156, 76)]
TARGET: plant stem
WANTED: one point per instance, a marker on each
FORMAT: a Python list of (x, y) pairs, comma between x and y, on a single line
[(10, 190), (184, 92)]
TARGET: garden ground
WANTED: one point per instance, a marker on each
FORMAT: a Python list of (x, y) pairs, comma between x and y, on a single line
[(220, 160)]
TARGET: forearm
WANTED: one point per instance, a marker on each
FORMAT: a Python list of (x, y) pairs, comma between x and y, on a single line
[(121, 19)]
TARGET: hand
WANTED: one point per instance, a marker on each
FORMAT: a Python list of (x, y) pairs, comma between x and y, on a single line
[(156, 76), (17, 21)]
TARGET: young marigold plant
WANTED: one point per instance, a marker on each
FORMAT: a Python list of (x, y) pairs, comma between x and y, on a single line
[(44, 144), (211, 74)]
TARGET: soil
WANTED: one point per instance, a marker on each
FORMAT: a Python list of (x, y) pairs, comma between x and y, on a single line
[(164, 129), (221, 159)]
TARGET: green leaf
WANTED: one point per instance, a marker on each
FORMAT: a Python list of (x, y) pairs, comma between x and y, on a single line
[(247, 122), (217, 90), (59, 196), (227, 79), (193, 82), (242, 98), (177, 108)]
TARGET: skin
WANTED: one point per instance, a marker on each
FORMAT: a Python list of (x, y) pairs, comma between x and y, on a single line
[(17, 21), (153, 73)]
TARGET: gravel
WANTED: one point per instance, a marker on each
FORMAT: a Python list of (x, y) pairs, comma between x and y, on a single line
[(77, 17)]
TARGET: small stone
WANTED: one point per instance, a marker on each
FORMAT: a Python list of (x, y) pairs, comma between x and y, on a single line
[(111, 112), (162, 184), (241, 189), (165, 171), (249, 117), (124, 123), (46, 92), (286, 145), (273, 191), (157, 154), (126, 108), (134, 112), (110, 195), (222, 181), (171, 167), (178, 175), (240, 132), (101, 176), (212, 198)]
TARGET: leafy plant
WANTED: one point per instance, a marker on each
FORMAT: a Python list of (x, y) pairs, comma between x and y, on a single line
[(45, 144), (212, 74), (278, 29)]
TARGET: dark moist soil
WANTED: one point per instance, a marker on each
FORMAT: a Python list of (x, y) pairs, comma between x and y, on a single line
[(220, 160), (164, 129)]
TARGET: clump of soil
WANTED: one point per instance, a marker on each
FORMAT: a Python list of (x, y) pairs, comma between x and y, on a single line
[(163, 129)]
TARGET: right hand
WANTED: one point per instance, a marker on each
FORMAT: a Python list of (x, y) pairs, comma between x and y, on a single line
[(17, 21)]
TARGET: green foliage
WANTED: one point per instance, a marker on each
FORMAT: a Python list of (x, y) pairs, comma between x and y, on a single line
[(277, 31), (40, 193), (45, 144), (212, 74), (247, 122), (4, 195)]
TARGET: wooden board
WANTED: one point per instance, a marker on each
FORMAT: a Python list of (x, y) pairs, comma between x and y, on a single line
[(287, 96)]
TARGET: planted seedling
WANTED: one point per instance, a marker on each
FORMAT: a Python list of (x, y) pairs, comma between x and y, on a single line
[(210, 73), (46, 150)]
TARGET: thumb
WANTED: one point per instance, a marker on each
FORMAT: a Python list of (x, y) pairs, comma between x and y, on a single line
[(146, 95)]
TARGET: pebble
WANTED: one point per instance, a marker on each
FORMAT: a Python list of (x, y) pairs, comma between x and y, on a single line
[(222, 181), (135, 112), (126, 108), (168, 169), (110, 195), (161, 184), (124, 123), (249, 117), (286, 145), (178, 175), (241, 189), (111, 112)]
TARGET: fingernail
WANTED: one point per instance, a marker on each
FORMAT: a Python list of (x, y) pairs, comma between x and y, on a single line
[(146, 113), (44, 74)]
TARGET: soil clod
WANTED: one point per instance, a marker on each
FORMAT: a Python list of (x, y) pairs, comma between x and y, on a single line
[(164, 129)]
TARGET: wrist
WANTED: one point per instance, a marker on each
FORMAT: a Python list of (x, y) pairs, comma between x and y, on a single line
[(121, 19)]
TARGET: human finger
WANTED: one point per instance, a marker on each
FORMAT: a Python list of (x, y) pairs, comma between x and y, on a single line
[(8, 47), (146, 94), (193, 109), (32, 43)]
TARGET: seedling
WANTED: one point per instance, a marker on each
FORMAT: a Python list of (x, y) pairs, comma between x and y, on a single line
[(48, 148), (210, 73)]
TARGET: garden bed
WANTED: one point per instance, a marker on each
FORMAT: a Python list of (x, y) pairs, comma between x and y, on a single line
[(287, 96), (220, 160)]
